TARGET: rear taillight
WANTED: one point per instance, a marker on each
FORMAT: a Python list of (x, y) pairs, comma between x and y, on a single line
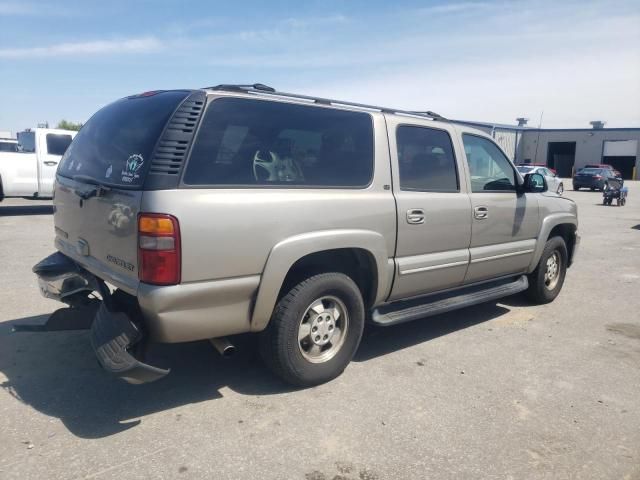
[(597, 177), (159, 261)]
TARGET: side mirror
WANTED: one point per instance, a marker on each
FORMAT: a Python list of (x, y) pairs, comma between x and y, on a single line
[(535, 183)]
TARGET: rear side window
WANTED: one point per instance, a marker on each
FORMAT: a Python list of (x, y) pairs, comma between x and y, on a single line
[(426, 160), (116, 144), (243, 142), (57, 144)]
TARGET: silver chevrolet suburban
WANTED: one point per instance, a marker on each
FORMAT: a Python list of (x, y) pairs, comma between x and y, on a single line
[(198, 214)]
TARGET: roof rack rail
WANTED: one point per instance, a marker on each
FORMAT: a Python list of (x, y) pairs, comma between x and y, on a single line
[(261, 89)]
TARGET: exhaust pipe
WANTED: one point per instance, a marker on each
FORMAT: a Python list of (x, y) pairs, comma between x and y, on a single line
[(223, 346)]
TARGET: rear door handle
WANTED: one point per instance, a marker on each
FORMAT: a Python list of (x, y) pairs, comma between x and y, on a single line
[(415, 216), (50, 163), (480, 213)]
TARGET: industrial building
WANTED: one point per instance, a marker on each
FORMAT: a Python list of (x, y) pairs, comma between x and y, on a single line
[(567, 150)]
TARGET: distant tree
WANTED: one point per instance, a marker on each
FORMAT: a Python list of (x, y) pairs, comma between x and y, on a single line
[(66, 125)]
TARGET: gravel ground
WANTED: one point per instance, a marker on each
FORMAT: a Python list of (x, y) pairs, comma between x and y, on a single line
[(502, 390)]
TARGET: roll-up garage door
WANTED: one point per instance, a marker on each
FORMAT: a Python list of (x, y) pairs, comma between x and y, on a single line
[(621, 154)]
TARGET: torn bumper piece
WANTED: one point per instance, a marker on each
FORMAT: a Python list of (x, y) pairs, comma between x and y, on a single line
[(113, 333)]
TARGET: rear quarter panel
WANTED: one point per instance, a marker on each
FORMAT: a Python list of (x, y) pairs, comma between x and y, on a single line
[(230, 233)]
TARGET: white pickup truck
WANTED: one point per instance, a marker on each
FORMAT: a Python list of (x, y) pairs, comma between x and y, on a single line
[(30, 170)]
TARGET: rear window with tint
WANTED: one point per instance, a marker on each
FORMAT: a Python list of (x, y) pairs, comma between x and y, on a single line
[(57, 144), (27, 142), (590, 171), (8, 147), (115, 145), (243, 142)]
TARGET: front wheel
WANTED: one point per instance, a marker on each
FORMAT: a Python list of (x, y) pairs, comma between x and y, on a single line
[(561, 189), (315, 330), (546, 281)]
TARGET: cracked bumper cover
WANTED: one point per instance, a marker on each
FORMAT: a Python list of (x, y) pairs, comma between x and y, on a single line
[(112, 335)]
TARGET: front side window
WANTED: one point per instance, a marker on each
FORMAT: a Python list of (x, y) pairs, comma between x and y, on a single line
[(244, 142), (489, 168), (426, 160), (57, 144)]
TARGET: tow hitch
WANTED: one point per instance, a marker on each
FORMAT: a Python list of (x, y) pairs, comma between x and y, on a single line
[(113, 334)]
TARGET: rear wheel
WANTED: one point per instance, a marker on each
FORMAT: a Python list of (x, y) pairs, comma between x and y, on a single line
[(546, 281), (315, 330), (576, 188)]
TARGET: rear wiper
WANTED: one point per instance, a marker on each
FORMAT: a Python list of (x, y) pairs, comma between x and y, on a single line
[(98, 191)]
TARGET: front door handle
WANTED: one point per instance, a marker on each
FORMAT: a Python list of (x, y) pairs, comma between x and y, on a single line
[(480, 213), (50, 163), (415, 216)]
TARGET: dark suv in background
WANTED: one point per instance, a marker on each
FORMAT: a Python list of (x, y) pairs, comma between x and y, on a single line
[(594, 178)]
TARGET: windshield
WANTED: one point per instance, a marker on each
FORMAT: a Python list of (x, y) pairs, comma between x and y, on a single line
[(116, 144)]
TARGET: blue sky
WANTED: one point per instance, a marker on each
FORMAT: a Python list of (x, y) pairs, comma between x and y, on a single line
[(482, 60)]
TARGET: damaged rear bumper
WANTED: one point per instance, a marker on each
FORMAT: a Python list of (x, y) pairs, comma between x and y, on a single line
[(114, 333), (112, 336)]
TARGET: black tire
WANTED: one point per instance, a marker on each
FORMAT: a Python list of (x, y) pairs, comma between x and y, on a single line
[(593, 189), (604, 200), (576, 188), (560, 190), (538, 292), (279, 344)]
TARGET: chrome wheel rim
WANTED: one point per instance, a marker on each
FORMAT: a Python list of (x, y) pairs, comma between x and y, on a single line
[(552, 273), (322, 329)]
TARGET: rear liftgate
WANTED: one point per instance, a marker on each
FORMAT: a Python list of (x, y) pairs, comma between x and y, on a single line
[(113, 334)]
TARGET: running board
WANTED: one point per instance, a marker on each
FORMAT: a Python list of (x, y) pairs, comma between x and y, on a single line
[(408, 310)]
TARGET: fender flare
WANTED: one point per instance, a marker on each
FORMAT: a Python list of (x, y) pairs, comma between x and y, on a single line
[(548, 224), (287, 252)]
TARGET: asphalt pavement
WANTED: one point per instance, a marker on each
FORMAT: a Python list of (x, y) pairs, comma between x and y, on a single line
[(503, 390)]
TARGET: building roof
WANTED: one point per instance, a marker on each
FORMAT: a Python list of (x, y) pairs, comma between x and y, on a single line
[(503, 126)]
